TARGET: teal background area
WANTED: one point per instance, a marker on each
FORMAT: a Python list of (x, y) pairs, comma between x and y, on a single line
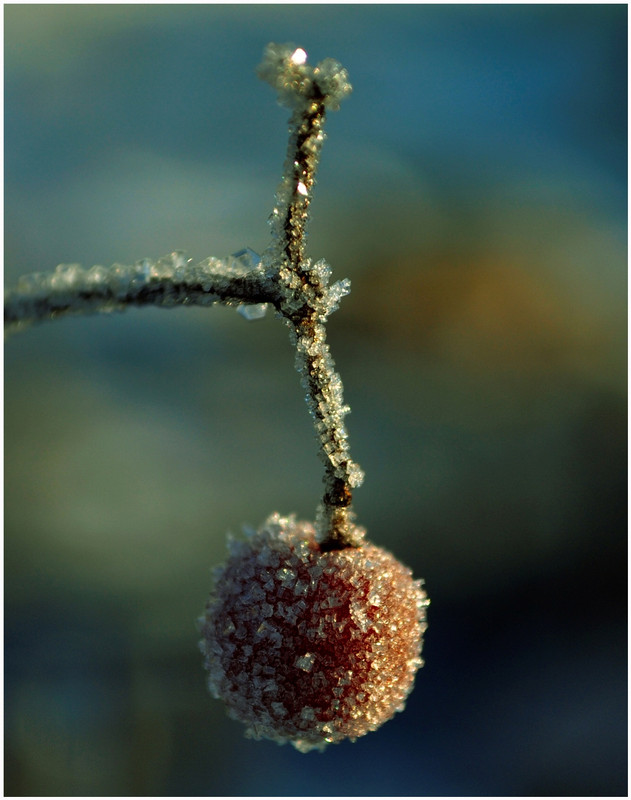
[(474, 189)]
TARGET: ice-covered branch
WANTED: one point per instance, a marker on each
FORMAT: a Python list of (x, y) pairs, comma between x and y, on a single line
[(172, 280), (310, 92), (284, 277)]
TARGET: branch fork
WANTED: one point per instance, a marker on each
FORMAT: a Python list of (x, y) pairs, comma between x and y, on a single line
[(283, 277)]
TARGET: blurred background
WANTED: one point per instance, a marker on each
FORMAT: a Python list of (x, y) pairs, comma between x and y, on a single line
[(473, 188)]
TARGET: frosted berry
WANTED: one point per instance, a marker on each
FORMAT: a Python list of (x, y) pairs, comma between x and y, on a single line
[(311, 647)]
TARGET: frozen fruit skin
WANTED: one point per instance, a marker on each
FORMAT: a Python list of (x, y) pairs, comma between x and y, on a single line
[(310, 647)]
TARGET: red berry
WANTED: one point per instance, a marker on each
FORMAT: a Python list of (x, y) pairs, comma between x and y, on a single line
[(311, 647)]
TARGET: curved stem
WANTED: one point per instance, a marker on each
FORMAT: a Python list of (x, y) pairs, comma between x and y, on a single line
[(171, 281)]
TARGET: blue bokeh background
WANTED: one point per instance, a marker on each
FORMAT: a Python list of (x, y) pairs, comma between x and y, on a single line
[(473, 188)]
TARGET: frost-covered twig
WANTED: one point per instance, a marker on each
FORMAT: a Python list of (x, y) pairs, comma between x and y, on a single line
[(284, 277), (172, 280), (309, 92)]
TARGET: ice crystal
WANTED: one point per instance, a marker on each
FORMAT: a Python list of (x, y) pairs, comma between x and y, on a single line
[(245, 260), (252, 312), (285, 68), (305, 662)]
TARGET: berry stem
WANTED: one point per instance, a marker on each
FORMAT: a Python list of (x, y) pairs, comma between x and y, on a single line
[(302, 158)]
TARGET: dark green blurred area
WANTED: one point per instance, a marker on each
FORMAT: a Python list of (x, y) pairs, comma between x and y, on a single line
[(474, 189)]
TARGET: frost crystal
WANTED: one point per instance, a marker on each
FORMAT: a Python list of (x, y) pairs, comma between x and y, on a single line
[(285, 68), (305, 662), (252, 312), (245, 260), (337, 656), (299, 56)]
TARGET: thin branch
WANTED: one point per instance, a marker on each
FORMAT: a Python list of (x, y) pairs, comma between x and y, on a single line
[(309, 91), (171, 281), (284, 277)]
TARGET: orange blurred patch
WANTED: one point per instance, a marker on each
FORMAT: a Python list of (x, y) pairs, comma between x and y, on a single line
[(487, 314)]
